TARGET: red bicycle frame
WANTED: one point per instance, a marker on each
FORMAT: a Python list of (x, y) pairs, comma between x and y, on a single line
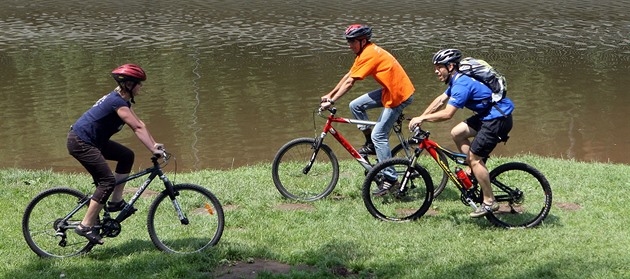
[(328, 128), (424, 143), (422, 138)]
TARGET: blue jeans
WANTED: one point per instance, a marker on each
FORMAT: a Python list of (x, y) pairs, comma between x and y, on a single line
[(380, 132)]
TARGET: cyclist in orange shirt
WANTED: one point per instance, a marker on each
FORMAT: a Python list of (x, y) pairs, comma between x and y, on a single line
[(396, 94)]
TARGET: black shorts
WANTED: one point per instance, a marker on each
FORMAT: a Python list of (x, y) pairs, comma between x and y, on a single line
[(489, 133)]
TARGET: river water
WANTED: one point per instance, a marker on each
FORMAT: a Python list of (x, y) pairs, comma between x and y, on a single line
[(229, 82)]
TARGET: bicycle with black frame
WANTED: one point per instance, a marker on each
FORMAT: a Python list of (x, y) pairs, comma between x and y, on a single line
[(183, 218)]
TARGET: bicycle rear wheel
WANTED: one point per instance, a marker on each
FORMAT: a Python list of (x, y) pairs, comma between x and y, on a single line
[(523, 193), (397, 205), (42, 226), (440, 178), (294, 180), (204, 225)]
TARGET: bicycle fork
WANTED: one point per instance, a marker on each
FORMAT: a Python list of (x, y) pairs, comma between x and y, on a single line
[(316, 146), (172, 194), (409, 172)]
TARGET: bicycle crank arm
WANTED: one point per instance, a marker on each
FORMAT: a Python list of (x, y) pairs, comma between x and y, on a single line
[(472, 204)]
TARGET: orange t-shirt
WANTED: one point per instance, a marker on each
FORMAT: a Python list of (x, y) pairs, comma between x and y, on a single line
[(380, 64)]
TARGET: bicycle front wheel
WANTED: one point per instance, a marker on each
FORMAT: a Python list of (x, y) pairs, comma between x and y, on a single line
[(523, 193), (201, 227), (294, 176), (43, 227), (405, 203), (440, 178)]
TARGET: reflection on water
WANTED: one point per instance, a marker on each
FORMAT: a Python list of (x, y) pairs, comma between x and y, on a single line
[(229, 83)]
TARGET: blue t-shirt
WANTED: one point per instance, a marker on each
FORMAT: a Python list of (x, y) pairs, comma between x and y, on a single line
[(464, 91), (101, 121)]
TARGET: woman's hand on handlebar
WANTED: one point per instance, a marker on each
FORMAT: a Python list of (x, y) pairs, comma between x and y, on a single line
[(158, 150)]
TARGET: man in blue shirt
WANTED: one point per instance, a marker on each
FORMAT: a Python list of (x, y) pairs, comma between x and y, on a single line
[(490, 124)]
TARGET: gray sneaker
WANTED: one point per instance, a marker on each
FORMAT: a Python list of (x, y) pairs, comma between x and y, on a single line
[(385, 187), (484, 209)]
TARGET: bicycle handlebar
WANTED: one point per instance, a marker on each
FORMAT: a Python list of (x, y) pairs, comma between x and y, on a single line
[(165, 156), (418, 135), (332, 110)]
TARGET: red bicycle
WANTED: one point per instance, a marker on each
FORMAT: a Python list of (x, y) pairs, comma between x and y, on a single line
[(306, 169), (523, 192)]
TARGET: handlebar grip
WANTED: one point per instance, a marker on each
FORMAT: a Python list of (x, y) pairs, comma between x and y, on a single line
[(332, 110), (162, 154)]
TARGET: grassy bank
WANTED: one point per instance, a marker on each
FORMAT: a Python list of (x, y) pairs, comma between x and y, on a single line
[(585, 235)]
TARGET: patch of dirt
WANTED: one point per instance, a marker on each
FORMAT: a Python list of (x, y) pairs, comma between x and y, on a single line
[(569, 206), (338, 197), (227, 207), (432, 212), (296, 206), (409, 211), (252, 267)]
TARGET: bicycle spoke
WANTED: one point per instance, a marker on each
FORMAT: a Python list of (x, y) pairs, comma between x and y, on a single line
[(440, 179), (291, 178), (523, 194), (41, 220), (407, 202), (201, 228)]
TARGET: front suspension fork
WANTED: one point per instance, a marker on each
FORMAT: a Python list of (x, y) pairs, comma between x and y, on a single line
[(316, 146)]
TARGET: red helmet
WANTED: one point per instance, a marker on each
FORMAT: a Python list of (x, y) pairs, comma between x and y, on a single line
[(129, 72)]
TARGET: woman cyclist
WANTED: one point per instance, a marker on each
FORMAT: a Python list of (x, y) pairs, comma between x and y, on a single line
[(89, 142)]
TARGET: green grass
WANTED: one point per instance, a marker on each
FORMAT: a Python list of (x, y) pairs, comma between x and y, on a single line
[(588, 242)]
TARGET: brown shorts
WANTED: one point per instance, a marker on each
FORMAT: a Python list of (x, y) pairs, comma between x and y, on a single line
[(94, 160)]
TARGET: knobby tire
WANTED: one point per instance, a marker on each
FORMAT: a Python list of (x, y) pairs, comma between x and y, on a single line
[(203, 212), (42, 218), (529, 202), (396, 206), (288, 170)]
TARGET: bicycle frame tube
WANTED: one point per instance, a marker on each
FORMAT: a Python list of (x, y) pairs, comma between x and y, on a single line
[(128, 178), (458, 158), (153, 172), (328, 128), (84, 202), (398, 131)]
